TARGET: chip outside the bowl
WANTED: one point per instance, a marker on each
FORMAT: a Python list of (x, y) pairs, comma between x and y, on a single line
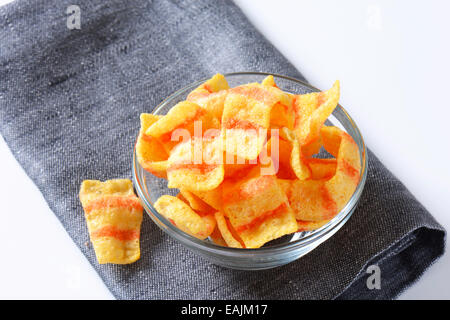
[(114, 215)]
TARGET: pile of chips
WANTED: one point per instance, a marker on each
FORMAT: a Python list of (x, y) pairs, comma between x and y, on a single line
[(245, 162)]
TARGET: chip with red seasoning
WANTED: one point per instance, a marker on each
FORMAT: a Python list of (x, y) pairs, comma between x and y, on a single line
[(196, 165), (246, 118), (282, 114), (348, 167), (310, 225), (227, 231), (211, 95), (196, 203), (321, 169), (258, 209), (184, 120), (211, 197), (335, 179), (149, 151), (297, 159), (311, 200), (311, 111), (113, 214), (184, 217)]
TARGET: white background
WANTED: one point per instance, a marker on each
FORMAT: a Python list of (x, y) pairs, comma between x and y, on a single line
[(392, 58)]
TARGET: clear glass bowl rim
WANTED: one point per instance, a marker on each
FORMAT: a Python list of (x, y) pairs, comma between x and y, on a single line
[(202, 245)]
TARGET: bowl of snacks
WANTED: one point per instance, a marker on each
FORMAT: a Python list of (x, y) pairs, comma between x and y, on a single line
[(250, 170)]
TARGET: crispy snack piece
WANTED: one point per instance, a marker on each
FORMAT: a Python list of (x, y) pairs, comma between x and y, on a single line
[(280, 152), (322, 169), (297, 159), (282, 114), (348, 169), (211, 95), (227, 231), (322, 199), (149, 151), (258, 209), (211, 197), (246, 118), (182, 216), (200, 206), (269, 82), (284, 184), (312, 148), (235, 166), (216, 236), (310, 225), (196, 165), (311, 111), (311, 200), (185, 116), (113, 215)]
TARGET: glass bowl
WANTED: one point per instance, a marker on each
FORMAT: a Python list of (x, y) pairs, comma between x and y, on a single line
[(275, 253)]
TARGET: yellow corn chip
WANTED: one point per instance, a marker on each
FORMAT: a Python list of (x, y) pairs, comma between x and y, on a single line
[(184, 116), (316, 200), (321, 169), (225, 228), (282, 114), (217, 238), (311, 111), (297, 159), (113, 215), (269, 82), (196, 165), (257, 208), (343, 184), (211, 95), (182, 216), (196, 203), (246, 118), (311, 148), (281, 158), (331, 137), (149, 151), (285, 185), (311, 200), (310, 225), (211, 197)]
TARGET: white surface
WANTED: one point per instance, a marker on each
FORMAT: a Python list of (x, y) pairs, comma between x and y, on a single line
[(392, 60)]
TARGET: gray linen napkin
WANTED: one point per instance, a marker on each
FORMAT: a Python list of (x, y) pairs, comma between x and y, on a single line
[(70, 101)]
